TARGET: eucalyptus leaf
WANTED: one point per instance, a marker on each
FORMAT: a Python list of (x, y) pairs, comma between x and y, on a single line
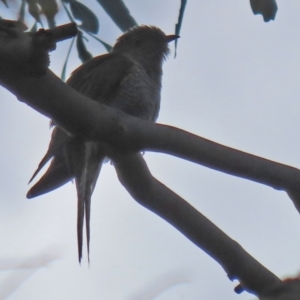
[(34, 10), (63, 73), (119, 13), (5, 3), (22, 12), (83, 53), (105, 45), (267, 8), (89, 20), (179, 22), (49, 9)]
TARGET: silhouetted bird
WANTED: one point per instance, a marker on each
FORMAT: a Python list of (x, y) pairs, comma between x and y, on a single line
[(128, 78)]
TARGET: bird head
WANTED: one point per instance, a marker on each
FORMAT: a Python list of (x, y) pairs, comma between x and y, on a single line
[(145, 43)]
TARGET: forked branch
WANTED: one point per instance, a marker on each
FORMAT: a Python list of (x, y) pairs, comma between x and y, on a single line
[(134, 174)]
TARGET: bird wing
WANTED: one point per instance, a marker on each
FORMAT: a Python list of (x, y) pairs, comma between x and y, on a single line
[(108, 71), (97, 79)]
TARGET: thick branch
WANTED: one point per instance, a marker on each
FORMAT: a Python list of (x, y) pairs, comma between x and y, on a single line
[(149, 192), (225, 159), (28, 52), (82, 116)]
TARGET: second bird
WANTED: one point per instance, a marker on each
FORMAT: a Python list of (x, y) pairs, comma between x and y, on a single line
[(128, 78)]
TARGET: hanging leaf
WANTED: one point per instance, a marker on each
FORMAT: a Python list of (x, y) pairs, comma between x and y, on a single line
[(22, 12), (5, 3), (105, 45), (68, 13), (34, 27), (179, 22), (89, 21), (119, 13), (267, 8), (34, 10), (49, 9), (63, 73), (83, 54)]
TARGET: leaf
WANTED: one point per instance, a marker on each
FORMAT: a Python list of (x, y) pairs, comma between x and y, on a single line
[(49, 9), (68, 13), (5, 3), (22, 12), (267, 8), (119, 13), (179, 22), (89, 21), (63, 73), (34, 10), (83, 54), (106, 46), (34, 27)]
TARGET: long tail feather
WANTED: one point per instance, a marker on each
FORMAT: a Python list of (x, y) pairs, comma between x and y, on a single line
[(80, 219), (57, 175), (85, 184)]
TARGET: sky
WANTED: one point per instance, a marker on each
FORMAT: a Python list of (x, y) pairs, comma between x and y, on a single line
[(235, 81)]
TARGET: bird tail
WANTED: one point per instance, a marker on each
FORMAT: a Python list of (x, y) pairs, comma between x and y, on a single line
[(57, 175), (58, 140), (58, 172), (86, 178)]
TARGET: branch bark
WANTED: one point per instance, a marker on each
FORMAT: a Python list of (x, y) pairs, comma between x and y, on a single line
[(82, 116), (134, 174)]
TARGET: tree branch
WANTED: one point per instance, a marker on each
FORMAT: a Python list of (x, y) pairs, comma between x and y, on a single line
[(134, 174), (27, 53), (82, 116)]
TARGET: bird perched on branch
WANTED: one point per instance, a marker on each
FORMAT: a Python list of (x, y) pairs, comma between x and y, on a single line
[(128, 78)]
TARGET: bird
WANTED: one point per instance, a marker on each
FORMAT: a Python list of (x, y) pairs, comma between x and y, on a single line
[(127, 78)]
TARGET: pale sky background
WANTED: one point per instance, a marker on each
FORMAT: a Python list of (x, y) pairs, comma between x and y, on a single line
[(235, 81)]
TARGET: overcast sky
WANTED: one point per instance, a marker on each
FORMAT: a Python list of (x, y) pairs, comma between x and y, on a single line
[(235, 81)]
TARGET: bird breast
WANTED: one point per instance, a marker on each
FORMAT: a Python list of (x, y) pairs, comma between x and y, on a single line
[(139, 94)]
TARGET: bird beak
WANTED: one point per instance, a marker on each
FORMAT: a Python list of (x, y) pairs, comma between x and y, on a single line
[(172, 37)]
